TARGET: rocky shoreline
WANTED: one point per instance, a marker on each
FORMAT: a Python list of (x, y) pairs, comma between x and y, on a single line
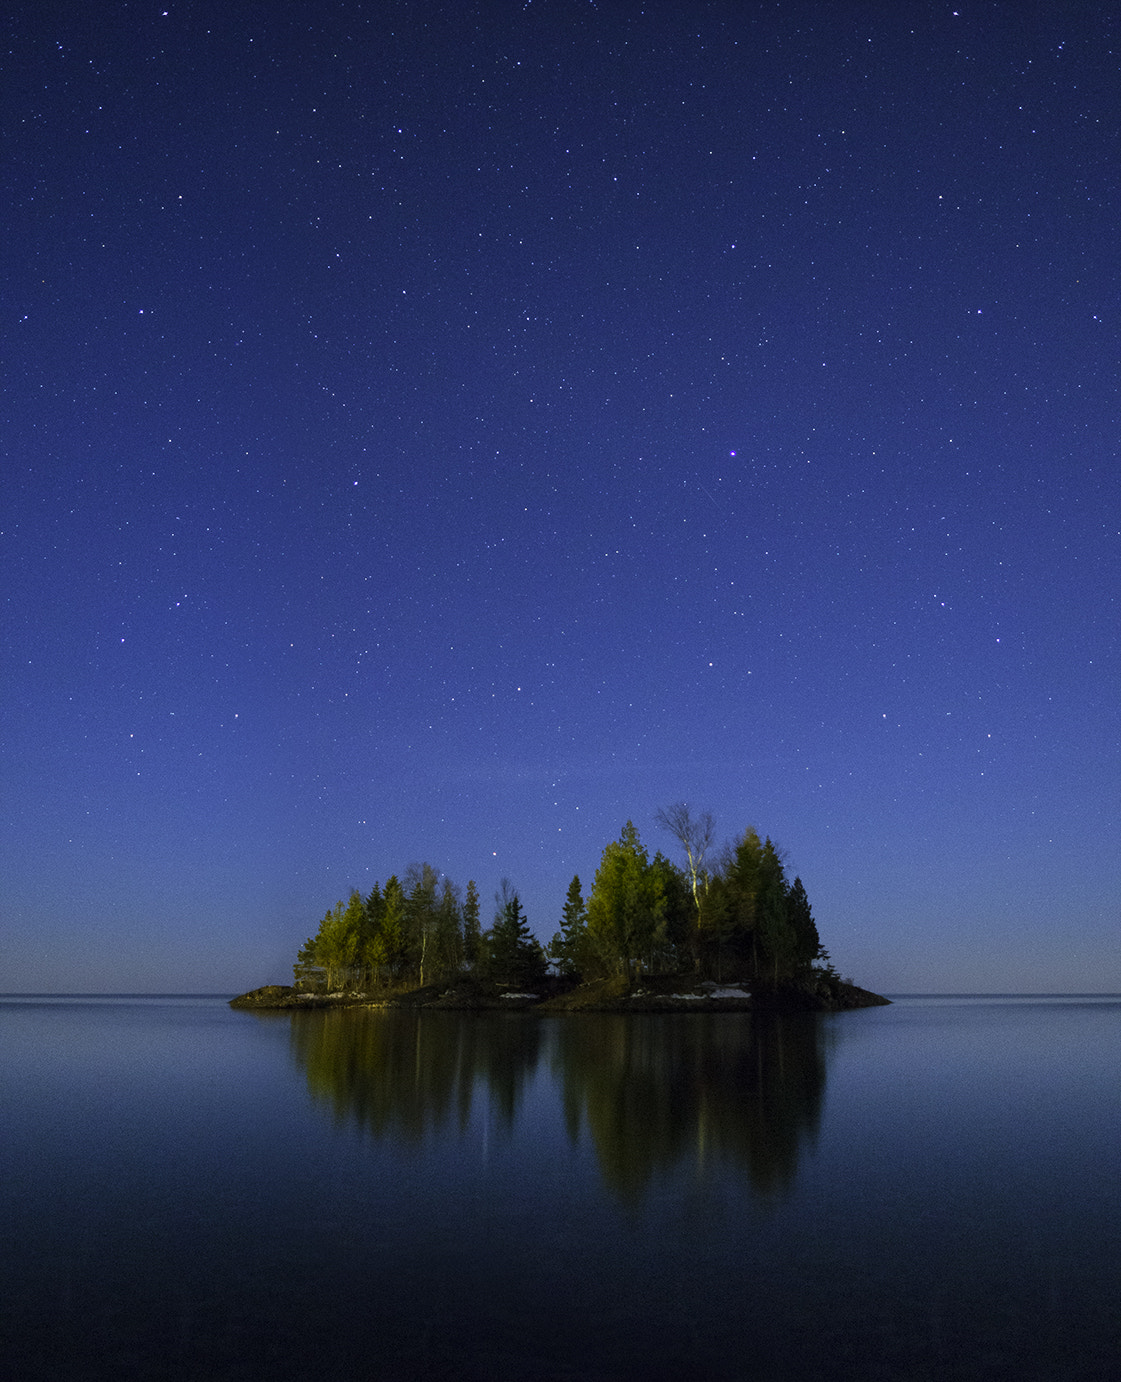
[(652, 994)]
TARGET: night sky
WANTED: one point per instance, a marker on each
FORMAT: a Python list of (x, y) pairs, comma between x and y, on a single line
[(447, 431)]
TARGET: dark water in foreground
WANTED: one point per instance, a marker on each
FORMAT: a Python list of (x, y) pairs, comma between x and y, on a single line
[(930, 1190)]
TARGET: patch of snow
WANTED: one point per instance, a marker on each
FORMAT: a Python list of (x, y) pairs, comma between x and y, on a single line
[(711, 991), (519, 995)]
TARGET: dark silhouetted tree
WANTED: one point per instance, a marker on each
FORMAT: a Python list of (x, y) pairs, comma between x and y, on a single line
[(513, 953), (472, 930)]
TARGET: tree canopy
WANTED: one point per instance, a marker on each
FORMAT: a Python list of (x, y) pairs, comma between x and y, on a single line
[(722, 914)]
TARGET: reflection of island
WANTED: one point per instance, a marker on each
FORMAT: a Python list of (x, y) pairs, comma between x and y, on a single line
[(657, 1092), (405, 1074), (654, 1092)]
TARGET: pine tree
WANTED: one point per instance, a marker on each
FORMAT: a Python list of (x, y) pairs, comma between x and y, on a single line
[(352, 939), (727, 927), (569, 948), (372, 956), (776, 935), (807, 942), (387, 946), (513, 953), (472, 930), (307, 971), (626, 906), (676, 930), (449, 930), (332, 948)]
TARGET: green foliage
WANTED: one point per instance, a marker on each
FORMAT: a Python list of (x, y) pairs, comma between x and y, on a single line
[(570, 948), (727, 937), (627, 907), (727, 915), (385, 936), (307, 973), (753, 924), (674, 936), (332, 954)]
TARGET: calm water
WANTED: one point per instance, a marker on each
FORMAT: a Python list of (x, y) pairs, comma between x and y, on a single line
[(930, 1190)]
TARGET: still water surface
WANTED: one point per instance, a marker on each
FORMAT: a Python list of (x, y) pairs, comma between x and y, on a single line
[(930, 1190)]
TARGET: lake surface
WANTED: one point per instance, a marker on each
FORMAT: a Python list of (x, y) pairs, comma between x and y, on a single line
[(929, 1190)]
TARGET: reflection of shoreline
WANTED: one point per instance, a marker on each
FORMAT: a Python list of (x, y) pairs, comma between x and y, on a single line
[(654, 1092), (660, 1092)]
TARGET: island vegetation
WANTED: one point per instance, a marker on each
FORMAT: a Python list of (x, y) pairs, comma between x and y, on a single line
[(725, 925)]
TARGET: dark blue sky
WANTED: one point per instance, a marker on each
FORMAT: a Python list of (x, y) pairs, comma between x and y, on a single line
[(446, 431)]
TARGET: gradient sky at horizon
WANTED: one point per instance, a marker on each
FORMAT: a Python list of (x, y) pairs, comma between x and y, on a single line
[(445, 432)]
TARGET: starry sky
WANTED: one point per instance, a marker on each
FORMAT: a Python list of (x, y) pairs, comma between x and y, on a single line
[(446, 431)]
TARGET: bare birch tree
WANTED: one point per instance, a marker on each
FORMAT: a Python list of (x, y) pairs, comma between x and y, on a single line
[(695, 835)]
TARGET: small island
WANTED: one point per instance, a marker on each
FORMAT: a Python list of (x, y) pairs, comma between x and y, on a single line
[(727, 931), (655, 994)]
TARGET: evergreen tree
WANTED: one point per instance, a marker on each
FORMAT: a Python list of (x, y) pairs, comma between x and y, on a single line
[(715, 930), (807, 942), (337, 942), (727, 925), (472, 930), (372, 954), (513, 953), (420, 917), (449, 930), (307, 972), (776, 935), (375, 911), (352, 939), (735, 915), (674, 933), (626, 908), (569, 948), (387, 945)]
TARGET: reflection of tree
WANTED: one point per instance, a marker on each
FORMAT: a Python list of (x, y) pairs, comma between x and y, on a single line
[(655, 1091), (404, 1074), (658, 1091)]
